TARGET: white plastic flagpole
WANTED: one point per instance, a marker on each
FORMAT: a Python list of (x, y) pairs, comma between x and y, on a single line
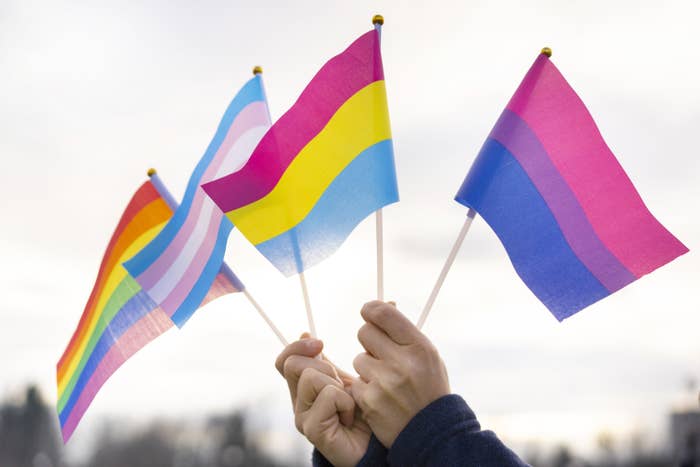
[(445, 269), (307, 304), (378, 21), (380, 255), (172, 204), (265, 317)]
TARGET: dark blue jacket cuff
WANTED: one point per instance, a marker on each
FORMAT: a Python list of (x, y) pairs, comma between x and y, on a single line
[(446, 432), (374, 457)]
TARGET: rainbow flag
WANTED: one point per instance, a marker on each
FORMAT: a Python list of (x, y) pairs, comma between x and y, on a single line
[(178, 266), (119, 318), (574, 226), (325, 165)]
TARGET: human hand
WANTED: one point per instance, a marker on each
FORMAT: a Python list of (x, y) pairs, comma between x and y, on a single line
[(401, 371), (326, 417)]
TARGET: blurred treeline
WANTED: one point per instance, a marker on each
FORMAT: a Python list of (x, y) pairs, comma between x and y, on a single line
[(29, 437)]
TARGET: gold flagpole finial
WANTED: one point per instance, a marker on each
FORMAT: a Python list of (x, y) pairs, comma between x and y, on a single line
[(151, 172), (546, 51), (378, 19), (257, 70)]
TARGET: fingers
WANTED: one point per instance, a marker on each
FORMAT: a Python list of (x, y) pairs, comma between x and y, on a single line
[(376, 342), (366, 366), (314, 394), (303, 347), (360, 391), (331, 402), (390, 320), (295, 365)]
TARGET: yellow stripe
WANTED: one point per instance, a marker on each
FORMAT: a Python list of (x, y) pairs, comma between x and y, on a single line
[(360, 122), (113, 280)]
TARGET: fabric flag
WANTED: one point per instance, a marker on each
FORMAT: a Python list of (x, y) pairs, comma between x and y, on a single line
[(574, 226), (119, 318), (177, 268), (325, 165)]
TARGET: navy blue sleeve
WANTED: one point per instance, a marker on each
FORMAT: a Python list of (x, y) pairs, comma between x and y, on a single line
[(375, 456), (446, 432)]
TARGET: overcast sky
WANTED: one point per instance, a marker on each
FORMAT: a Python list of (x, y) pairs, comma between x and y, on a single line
[(92, 96)]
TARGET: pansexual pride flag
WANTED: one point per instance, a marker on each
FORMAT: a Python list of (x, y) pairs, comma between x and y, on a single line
[(574, 226), (119, 318), (178, 267), (325, 165)]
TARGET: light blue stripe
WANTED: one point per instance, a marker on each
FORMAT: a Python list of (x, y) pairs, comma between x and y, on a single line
[(365, 185), (251, 92), (211, 269)]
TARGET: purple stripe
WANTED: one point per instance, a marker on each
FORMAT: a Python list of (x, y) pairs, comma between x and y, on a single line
[(338, 80), (513, 133)]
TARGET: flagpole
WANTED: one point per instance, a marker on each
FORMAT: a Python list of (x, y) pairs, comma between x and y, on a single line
[(378, 21), (262, 313), (445, 269), (307, 304), (225, 269)]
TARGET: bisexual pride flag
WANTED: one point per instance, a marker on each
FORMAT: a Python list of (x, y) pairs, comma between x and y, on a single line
[(323, 167), (119, 318), (179, 265), (574, 226)]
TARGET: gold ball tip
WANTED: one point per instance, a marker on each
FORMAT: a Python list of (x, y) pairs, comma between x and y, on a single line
[(378, 19), (151, 172), (546, 51), (257, 70)]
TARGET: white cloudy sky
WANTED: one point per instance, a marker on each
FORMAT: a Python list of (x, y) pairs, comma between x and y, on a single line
[(91, 96)]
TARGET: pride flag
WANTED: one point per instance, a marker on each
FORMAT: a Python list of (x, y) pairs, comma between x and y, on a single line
[(119, 318), (325, 165), (574, 226), (178, 266)]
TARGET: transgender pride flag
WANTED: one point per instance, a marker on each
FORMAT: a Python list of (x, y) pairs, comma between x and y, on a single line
[(179, 266), (574, 226)]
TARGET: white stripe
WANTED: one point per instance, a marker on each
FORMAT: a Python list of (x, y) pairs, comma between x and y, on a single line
[(241, 151), (170, 279)]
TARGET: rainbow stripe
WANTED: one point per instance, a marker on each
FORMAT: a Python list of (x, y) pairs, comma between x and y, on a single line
[(324, 166), (574, 226), (119, 318), (178, 267)]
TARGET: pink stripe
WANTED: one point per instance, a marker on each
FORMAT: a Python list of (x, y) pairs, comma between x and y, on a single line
[(253, 115), (221, 286), (141, 333), (194, 269), (338, 80), (556, 114)]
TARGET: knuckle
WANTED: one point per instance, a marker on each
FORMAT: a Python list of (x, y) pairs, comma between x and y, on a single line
[(299, 423), (289, 367)]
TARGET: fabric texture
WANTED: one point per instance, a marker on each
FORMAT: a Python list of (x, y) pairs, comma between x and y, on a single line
[(572, 222), (181, 263), (120, 318), (445, 433), (323, 167)]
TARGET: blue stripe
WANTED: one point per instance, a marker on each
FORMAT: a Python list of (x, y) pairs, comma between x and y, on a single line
[(498, 188), (211, 269), (133, 310), (251, 92), (365, 185)]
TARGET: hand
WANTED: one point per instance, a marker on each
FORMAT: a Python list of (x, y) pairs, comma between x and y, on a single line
[(341, 436), (401, 371), (326, 414), (300, 355)]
